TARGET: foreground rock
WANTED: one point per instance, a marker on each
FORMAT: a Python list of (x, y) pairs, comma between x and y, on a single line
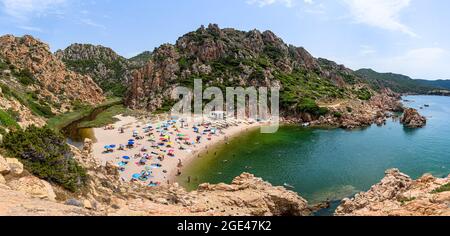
[(398, 195), (16, 203), (34, 187), (412, 119)]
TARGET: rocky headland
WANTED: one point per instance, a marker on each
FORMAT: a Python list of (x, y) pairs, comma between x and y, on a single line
[(399, 195)]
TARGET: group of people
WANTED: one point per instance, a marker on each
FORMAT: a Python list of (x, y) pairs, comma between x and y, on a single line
[(162, 141)]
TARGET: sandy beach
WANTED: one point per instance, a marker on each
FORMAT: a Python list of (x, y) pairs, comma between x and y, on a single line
[(161, 148)]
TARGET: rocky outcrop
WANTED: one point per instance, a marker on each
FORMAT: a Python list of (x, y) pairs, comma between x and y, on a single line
[(353, 113), (46, 76), (398, 195), (248, 195), (16, 167), (109, 70), (4, 167), (34, 187), (16, 203), (412, 119)]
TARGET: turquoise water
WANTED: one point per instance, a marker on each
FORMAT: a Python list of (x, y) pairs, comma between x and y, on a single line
[(332, 164)]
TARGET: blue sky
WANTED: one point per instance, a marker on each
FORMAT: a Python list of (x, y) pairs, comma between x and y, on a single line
[(403, 36)]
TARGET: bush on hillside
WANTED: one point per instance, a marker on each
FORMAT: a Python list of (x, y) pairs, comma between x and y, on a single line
[(310, 106), (45, 154)]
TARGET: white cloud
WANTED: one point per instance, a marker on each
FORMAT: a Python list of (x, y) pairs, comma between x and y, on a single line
[(426, 63), (263, 3), (25, 9), (30, 28), (419, 63), (367, 50), (92, 23), (384, 14)]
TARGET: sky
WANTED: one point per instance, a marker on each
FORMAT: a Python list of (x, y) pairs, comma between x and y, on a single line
[(410, 37)]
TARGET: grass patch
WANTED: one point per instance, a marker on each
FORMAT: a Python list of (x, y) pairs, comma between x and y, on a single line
[(106, 117), (6, 120), (46, 154), (405, 200), (57, 123), (443, 188)]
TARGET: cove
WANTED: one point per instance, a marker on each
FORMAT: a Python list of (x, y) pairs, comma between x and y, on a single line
[(331, 164)]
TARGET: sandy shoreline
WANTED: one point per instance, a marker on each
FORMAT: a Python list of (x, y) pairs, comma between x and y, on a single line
[(162, 170)]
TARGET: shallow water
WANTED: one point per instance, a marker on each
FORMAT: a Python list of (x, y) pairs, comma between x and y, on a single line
[(332, 164)]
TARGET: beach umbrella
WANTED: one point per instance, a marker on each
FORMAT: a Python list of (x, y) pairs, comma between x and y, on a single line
[(136, 176), (107, 147), (112, 146), (126, 157), (130, 140)]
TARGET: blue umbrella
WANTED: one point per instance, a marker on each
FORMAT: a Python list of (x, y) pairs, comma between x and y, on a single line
[(126, 157), (112, 146), (131, 140), (136, 176), (107, 147), (130, 143)]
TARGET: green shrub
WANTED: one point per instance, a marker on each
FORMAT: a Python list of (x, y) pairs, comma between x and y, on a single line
[(41, 110), (310, 106), (46, 154), (364, 94), (25, 77), (6, 91), (7, 121), (337, 114), (443, 188)]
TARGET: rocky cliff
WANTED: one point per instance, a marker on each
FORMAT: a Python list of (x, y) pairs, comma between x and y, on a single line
[(399, 195), (35, 85), (229, 57), (49, 77), (109, 70)]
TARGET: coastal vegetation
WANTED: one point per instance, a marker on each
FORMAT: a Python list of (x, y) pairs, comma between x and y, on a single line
[(443, 188), (106, 117), (45, 154), (7, 120), (81, 110)]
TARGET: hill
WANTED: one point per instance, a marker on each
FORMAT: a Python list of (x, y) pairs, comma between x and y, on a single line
[(396, 82), (109, 70), (231, 58), (35, 85)]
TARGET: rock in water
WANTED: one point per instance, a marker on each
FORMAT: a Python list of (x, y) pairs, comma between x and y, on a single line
[(412, 119)]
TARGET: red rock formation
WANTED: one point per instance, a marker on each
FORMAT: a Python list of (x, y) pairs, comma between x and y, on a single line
[(56, 82), (412, 119)]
